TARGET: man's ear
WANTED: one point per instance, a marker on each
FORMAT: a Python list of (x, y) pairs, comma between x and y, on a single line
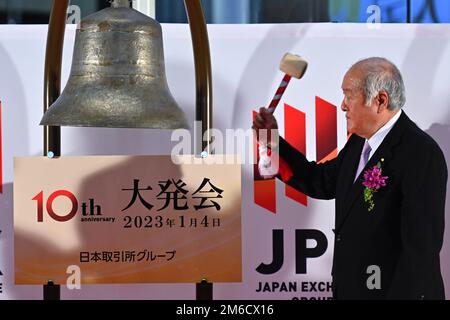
[(382, 101)]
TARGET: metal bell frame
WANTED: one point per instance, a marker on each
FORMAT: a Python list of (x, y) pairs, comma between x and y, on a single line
[(203, 73)]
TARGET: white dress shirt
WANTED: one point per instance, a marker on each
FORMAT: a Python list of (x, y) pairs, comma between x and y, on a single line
[(377, 139)]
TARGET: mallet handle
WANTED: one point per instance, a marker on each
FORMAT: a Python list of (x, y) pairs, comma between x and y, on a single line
[(279, 94)]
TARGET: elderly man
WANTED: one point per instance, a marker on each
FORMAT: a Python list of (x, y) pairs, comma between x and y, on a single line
[(389, 183)]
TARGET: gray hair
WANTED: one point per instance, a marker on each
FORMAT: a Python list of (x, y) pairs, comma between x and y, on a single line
[(381, 74)]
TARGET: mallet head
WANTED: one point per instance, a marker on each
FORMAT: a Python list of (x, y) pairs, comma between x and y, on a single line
[(293, 65)]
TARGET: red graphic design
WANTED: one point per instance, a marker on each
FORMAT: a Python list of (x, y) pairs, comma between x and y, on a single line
[(295, 134), (326, 130)]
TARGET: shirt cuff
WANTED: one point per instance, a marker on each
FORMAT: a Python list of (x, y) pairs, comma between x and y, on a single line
[(270, 166)]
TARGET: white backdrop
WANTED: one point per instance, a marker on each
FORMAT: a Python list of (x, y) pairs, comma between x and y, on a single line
[(245, 73)]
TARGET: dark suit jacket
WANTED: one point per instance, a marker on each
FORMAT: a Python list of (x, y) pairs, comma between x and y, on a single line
[(403, 235)]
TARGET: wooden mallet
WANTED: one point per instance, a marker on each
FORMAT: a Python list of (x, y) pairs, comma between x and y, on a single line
[(293, 66)]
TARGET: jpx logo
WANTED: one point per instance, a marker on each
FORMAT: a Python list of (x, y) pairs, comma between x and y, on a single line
[(303, 252), (87, 208), (295, 134)]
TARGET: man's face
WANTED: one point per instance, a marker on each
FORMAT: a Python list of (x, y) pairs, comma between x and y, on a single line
[(360, 118)]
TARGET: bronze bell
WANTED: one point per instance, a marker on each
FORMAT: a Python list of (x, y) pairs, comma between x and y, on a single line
[(118, 75)]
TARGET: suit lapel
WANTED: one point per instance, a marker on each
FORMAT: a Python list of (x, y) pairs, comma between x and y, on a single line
[(354, 190), (348, 172)]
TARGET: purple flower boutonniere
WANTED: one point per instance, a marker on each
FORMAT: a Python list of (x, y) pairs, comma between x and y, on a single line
[(373, 181)]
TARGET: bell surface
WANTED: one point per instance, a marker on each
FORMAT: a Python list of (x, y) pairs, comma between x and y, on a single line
[(118, 77)]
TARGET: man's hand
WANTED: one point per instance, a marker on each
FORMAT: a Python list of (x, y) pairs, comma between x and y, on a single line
[(265, 121)]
